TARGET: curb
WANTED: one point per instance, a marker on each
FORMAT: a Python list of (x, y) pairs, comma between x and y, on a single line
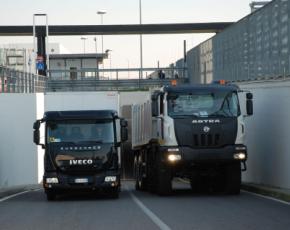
[(4, 192), (268, 191)]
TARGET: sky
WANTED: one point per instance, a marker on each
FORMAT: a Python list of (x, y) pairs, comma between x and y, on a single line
[(125, 49)]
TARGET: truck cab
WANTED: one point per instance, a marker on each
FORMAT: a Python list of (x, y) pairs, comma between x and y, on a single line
[(82, 151)]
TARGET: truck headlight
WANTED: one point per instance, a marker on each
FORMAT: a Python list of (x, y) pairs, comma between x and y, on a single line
[(240, 156), (174, 157), (110, 178), (173, 154), (52, 180)]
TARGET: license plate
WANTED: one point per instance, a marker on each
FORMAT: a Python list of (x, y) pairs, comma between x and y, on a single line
[(81, 180)]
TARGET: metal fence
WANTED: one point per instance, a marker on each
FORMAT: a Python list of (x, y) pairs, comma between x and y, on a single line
[(117, 73), (91, 79), (104, 85), (13, 81)]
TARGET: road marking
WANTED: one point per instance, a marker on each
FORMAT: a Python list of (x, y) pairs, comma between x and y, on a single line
[(149, 213), (267, 197), (17, 194)]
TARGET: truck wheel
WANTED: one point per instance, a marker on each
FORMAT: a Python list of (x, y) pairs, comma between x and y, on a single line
[(140, 181), (164, 185), (233, 178), (195, 182), (114, 193), (50, 196)]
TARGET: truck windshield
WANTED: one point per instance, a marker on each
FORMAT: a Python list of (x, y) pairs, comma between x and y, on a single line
[(80, 131), (224, 104)]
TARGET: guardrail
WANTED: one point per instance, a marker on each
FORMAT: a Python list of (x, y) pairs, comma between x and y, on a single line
[(13, 81)]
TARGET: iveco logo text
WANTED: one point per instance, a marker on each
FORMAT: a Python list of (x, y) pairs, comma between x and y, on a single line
[(81, 162), (206, 121)]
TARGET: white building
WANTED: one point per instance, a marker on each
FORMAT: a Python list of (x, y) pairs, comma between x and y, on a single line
[(75, 66), (21, 56)]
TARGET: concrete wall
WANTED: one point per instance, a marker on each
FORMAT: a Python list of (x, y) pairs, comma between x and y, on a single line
[(268, 134), (19, 157)]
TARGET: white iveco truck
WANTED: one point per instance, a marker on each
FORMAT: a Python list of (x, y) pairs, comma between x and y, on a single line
[(194, 132)]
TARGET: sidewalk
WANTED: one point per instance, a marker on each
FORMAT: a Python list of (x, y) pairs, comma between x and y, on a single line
[(281, 194), (4, 192)]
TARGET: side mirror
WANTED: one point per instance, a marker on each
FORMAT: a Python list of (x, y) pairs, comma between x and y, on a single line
[(249, 96), (36, 133), (36, 136), (124, 123), (124, 134), (36, 125), (154, 105), (250, 109)]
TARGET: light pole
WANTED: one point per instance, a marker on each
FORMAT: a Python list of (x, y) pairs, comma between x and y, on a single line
[(141, 41), (84, 39), (101, 13)]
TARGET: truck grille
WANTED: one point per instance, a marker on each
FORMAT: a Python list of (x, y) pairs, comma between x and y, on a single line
[(206, 140)]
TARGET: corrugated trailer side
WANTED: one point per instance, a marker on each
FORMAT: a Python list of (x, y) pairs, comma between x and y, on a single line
[(141, 124)]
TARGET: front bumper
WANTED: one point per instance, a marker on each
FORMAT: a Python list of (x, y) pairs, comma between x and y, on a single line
[(68, 182), (224, 154)]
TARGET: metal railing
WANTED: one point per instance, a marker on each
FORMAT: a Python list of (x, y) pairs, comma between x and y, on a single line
[(91, 79), (116, 73), (13, 81), (104, 85)]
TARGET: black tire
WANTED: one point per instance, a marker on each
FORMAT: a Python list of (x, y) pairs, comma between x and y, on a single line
[(233, 179), (140, 181), (114, 193), (196, 183), (50, 196), (164, 180)]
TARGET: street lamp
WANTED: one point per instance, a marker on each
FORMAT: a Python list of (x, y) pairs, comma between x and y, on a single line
[(84, 39), (101, 13)]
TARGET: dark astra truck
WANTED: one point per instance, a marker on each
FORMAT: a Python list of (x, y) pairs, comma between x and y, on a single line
[(82, 151)]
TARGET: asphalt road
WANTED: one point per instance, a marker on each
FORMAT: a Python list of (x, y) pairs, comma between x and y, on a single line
[(139, 210)]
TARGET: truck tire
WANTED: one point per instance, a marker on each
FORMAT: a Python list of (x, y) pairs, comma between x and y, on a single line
[(140, 181), (50, 196), (196, 183), (114, 193), (164, 180), (233, 179)]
